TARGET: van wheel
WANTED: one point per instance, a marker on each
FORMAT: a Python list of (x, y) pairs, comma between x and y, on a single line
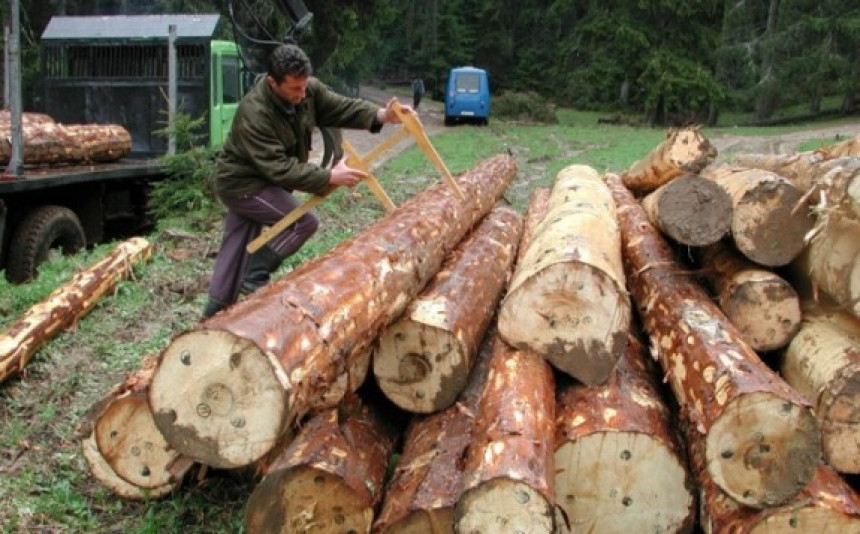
[(448, 120), (42, 230)]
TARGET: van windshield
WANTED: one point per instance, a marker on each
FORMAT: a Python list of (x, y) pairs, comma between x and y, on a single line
[(468, 83)]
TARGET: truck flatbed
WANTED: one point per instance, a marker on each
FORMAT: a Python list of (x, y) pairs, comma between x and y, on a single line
[(44, 177)]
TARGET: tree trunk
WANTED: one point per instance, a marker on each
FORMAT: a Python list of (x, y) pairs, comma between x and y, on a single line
[(683, 151), (614, 445), (67, 304), (847, 148), (253, 369), (508, 471), (423, 360), (770, 217), (101, 142), (827, 504), (762, 441), (759, 302), (567, 300), (691, 210), (329, 479), (831, 263), (823, 363), (122, 446), (428, 479), (767, 90)]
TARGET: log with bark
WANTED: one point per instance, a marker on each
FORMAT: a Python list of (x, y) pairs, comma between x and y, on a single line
[(825, 505), (101, 142), (44, 142), (122, 446), (68, 304), (762, 440), (508, 470), (823, 363), (691, 210), (770, 218), (759, 302), (329, 479), (422, 360), (831, 264), (428, 479), (683, 151), (614, 445), (567, 300), (226, 391)]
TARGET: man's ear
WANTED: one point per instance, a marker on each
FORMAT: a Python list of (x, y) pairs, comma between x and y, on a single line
[(271, 81)]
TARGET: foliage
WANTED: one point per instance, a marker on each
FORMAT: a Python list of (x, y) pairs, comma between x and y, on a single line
[(528, 107)]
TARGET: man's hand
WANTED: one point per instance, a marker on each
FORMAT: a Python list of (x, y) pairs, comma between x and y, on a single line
[(386, 115), (341, 174)]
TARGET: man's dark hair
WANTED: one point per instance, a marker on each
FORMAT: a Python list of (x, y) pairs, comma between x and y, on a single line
[(289, 59)]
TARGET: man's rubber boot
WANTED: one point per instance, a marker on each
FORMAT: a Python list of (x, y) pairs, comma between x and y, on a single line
[(261, 265), (212, 307)]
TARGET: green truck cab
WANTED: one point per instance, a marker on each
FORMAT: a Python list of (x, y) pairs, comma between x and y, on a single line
[(113, 70)]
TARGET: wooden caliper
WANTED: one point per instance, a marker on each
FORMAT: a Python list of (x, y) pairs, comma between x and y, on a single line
[(411, 126)]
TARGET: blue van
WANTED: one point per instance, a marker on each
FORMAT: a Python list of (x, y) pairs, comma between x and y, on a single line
[(467, 97)]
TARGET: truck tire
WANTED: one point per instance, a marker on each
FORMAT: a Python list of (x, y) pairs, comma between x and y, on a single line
[(43, 229)]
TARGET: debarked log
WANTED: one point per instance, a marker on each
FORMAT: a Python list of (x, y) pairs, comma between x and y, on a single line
[(686, 150), (428, 479), (690, 210), (329, 479), (68, 304), (823, 362), (759, 302), (614, 445), (762, 440), (123, 448), (508, 470), (423, 359), (567, 300), (226, 391), (770, 217)]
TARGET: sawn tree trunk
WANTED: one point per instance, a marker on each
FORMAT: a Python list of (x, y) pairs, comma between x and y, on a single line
[(683, 151)]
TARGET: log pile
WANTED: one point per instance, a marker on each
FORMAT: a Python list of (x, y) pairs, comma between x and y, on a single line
[(46, 142), (514, 437)]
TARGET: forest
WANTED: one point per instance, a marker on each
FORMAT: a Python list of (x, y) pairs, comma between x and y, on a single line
[(663, 61)]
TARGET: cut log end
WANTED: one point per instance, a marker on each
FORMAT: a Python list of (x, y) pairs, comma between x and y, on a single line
[(131, 444), (763, 450), (420, 368), (766, 312), (807, 519), (839, 413), (694, 211), (435, 521), (766, 228), (305, 499), (605, 482), (503, 505), (573, 315), (216, 398), (103, 472)]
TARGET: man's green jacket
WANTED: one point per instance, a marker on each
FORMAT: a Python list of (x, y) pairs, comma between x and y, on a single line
[(270, 139)]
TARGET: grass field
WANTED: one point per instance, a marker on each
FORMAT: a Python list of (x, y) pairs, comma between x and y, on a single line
[(46, 486)]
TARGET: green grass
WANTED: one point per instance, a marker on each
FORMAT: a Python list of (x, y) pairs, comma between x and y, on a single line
[(45, 482)]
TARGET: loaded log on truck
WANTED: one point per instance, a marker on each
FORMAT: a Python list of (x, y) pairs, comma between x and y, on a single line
[(131, 71)]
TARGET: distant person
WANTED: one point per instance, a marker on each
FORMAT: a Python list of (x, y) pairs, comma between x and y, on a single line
[(265, 159), (417, 91)]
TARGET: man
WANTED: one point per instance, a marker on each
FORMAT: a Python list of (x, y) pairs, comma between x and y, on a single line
[(417, 91), (265, 159)]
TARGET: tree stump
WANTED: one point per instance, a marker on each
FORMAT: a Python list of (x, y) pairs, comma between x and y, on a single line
[(508, 469), (760, 303), (762, 440), (225, 392), (567, 300), (823, 363), (614, 445), (690, 210), (685, 150), (423, 359), (67, 304), (329, 479), (769, 216)]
